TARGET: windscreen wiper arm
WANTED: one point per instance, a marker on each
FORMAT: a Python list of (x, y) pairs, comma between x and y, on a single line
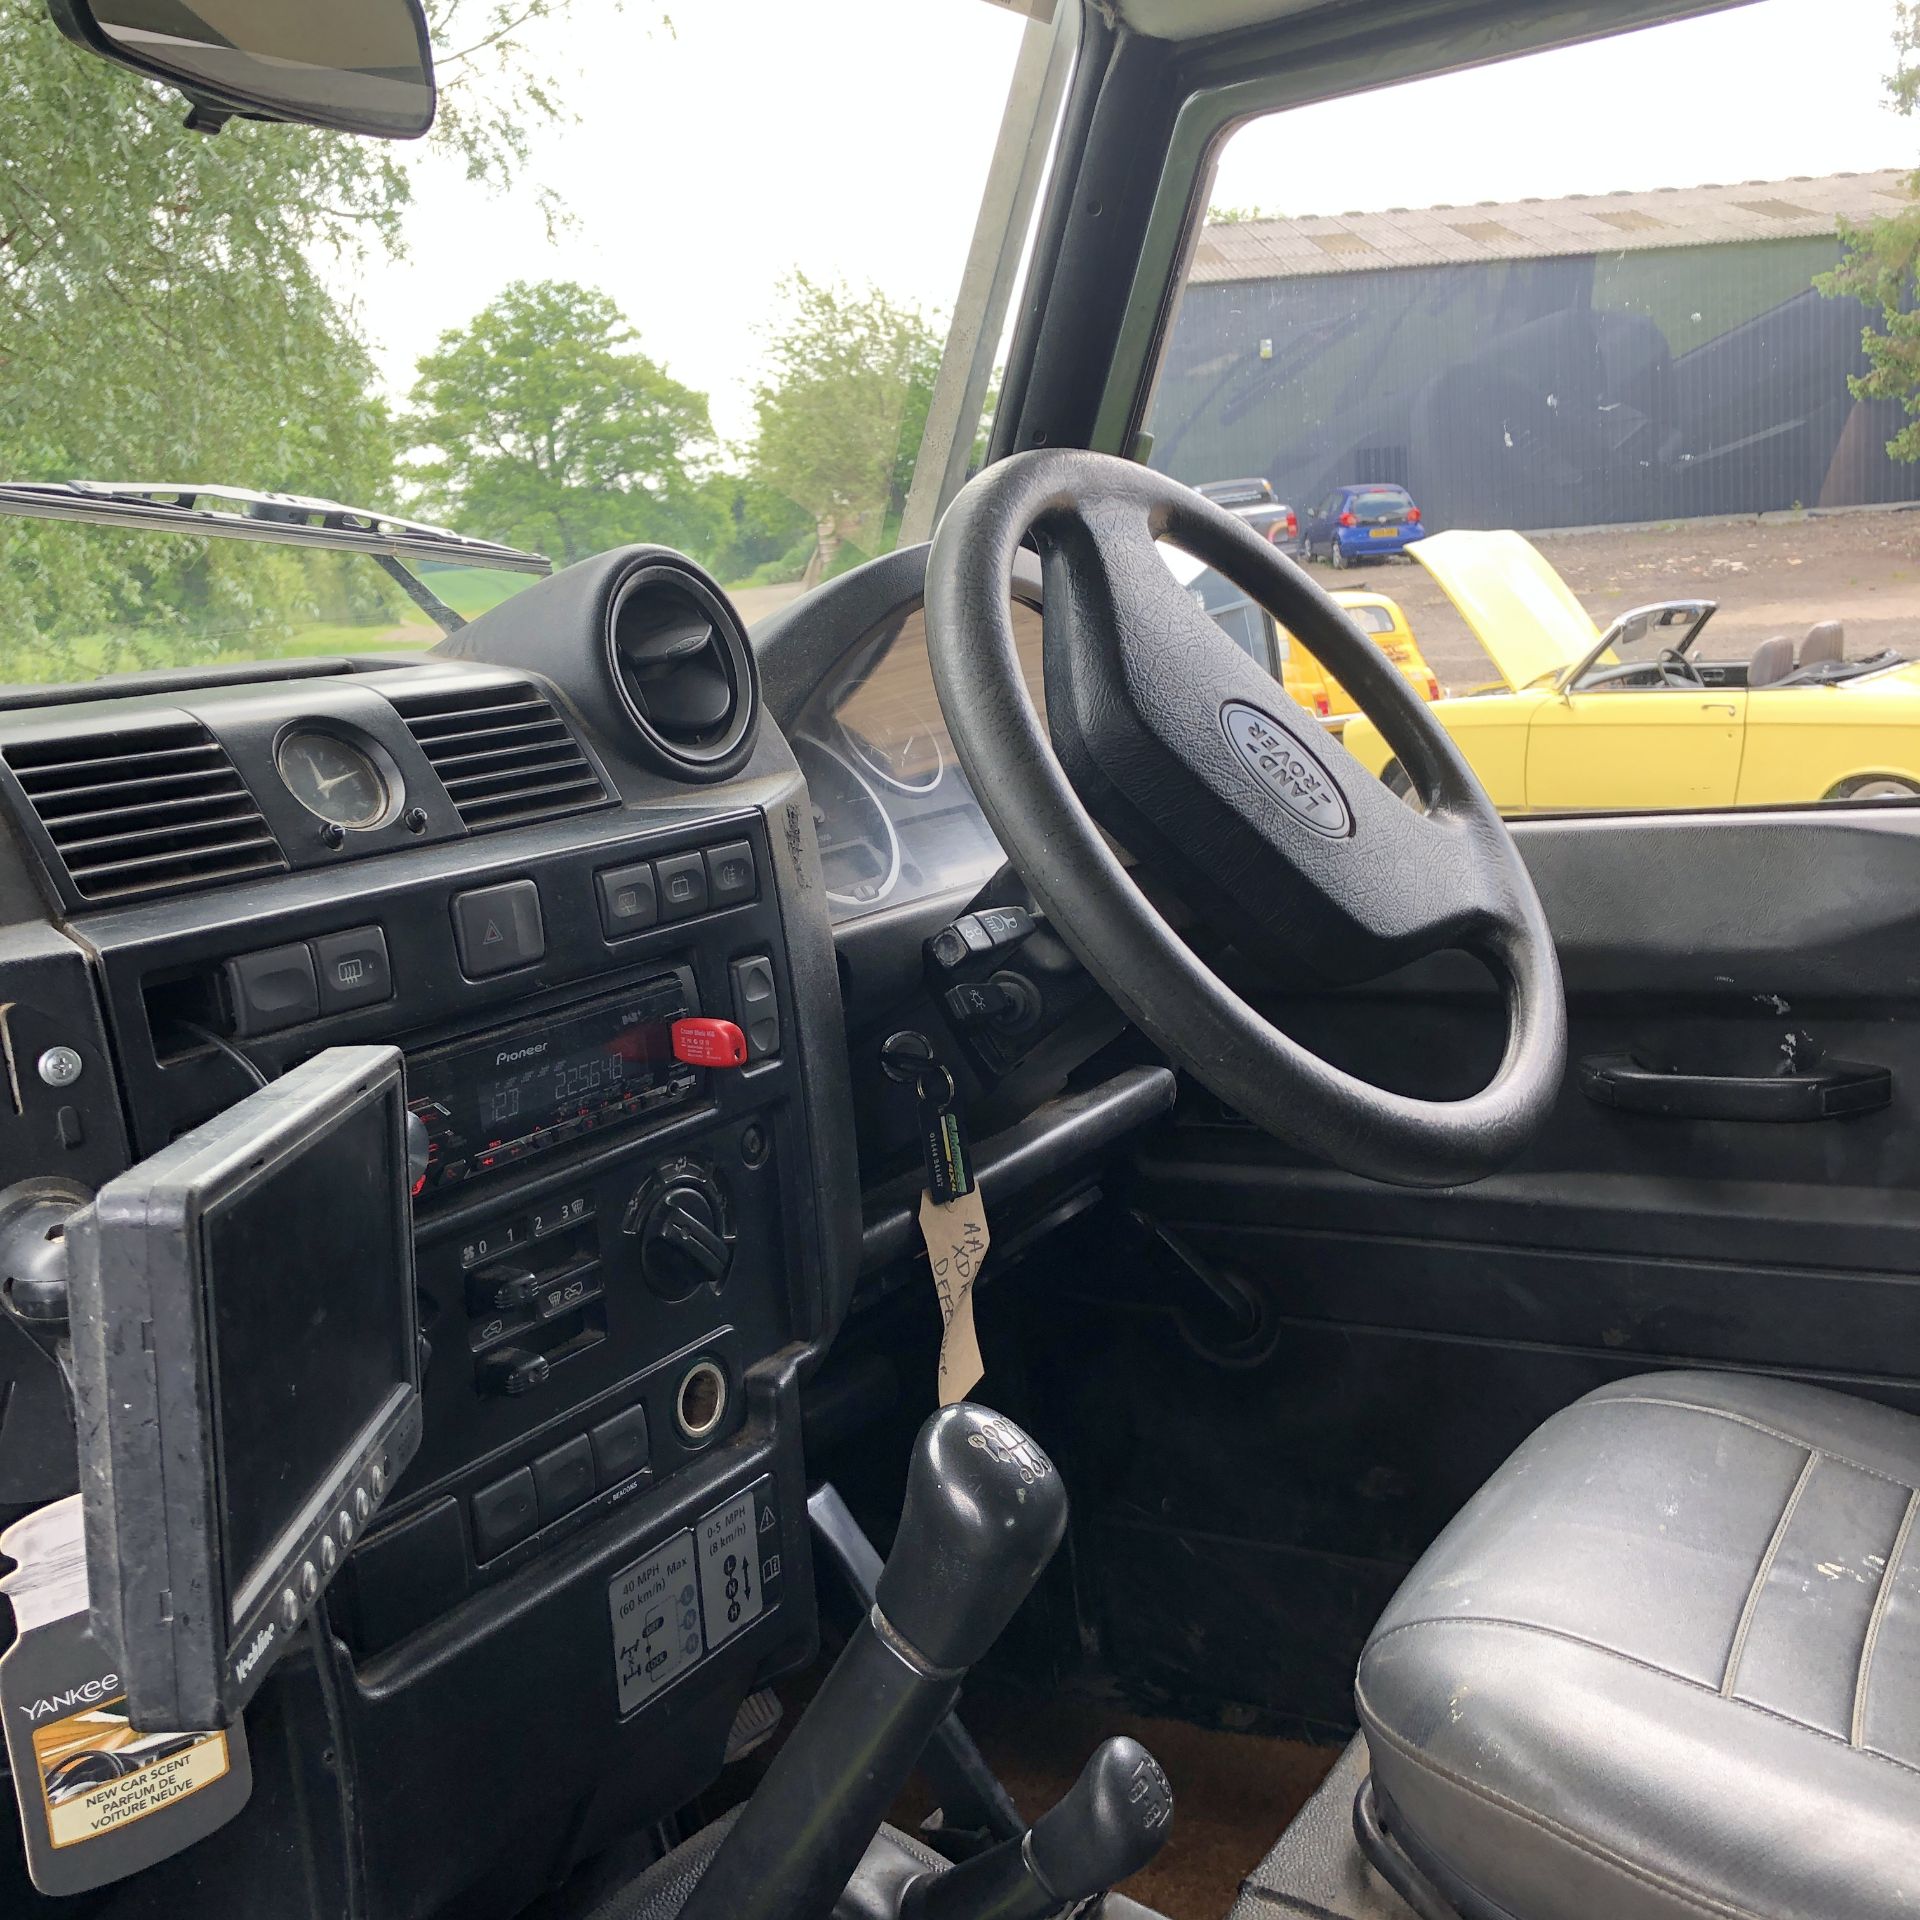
[(281, 519)]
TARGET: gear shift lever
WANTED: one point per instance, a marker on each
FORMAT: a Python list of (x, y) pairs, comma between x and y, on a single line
[(984, 1512), (1113, 1821)]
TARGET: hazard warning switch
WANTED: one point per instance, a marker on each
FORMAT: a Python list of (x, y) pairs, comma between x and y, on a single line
[(498, 928), (701, 1042)]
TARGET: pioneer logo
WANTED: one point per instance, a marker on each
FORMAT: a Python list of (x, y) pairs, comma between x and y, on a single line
[(519, 1053), (87, 1694), (251, 1658)]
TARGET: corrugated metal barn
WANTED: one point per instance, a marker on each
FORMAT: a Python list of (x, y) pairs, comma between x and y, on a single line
[(1540, 363)]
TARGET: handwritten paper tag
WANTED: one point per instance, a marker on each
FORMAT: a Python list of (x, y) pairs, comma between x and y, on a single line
[(957, 1241)]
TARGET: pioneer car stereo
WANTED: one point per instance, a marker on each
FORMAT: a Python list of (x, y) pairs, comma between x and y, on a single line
[(247, 1377), (518, 1091)]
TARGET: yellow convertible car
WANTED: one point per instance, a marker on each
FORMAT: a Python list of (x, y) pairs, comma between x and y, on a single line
[(1639, 716)]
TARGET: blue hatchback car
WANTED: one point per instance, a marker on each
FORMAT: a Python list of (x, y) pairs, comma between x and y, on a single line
[(1360, 523)]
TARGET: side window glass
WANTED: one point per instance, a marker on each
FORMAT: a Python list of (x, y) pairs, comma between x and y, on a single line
[(1619, 429)]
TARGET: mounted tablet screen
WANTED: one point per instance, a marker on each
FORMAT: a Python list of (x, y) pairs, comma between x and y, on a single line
[(247, 1374), (307, 1346)]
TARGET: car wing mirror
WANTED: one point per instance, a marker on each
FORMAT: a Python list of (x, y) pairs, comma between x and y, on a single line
[(357, 66)]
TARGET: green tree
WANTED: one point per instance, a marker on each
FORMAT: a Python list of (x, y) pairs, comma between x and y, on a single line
[(841, 409), (549, 428), (1881, 264), (166, 311), (758, 529)]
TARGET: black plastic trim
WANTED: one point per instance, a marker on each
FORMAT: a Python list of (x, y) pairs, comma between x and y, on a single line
[(1832, 1091), (560, 629), (1048, 1141), (802, 648)]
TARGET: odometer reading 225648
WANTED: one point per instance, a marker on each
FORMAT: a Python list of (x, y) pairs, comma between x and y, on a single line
[(547, 1089)]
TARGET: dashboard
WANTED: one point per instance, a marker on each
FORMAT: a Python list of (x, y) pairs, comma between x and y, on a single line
[(519, 862), (516, 861)]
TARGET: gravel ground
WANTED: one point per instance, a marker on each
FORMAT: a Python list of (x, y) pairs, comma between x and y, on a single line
[(1777, 575)]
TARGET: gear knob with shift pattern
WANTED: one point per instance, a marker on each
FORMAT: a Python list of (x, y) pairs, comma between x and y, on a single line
[(1114, 1819), (984, 1512)]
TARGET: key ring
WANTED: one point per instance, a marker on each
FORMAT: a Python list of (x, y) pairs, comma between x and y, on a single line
[(907, 1059)]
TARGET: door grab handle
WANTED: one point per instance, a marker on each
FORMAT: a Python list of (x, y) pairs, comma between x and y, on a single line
[(1831, 1091)]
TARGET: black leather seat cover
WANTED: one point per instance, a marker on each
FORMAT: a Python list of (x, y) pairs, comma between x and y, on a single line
[(1667, 1662)]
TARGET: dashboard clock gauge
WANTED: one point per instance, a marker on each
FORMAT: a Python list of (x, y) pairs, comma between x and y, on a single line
[(334, 780)]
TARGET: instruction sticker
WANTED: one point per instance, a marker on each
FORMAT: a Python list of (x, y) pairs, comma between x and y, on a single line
[(97, 1774), (656, 1621), (730, 1567)]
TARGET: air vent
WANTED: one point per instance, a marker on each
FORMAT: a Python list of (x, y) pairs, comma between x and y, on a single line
[(151, 810), (683, 671), (503, 754)]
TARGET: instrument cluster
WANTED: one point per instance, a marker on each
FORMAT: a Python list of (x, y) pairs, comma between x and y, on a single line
[(896, 818)]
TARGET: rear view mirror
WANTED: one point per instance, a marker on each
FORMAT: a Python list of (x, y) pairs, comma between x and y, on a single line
[(359, 66)]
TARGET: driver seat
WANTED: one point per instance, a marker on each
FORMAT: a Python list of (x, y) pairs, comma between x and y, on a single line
[(1666, 1663)]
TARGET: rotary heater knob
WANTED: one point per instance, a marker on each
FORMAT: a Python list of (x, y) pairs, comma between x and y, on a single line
[(681, 1220)]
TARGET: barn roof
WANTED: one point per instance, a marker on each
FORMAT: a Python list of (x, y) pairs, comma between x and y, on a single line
[(1583, 223)]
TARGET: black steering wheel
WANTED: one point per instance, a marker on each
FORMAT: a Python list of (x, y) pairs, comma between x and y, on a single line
[(1677, 670), (1195, 759)]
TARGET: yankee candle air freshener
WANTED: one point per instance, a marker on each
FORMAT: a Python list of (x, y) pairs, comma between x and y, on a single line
[(98, 1799)]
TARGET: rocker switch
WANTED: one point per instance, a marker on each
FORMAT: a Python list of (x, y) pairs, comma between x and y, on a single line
[(755, 1004), (501, 1288)]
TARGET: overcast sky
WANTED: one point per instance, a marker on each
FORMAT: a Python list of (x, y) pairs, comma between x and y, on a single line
[(852, 138)]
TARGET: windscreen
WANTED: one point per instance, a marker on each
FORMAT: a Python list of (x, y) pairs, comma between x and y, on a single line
[(308, 1322)]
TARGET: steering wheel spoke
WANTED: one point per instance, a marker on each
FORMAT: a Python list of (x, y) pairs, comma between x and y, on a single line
[(1192, 756)]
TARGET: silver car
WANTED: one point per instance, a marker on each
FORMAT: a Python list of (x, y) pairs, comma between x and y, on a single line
[(1253, 501)]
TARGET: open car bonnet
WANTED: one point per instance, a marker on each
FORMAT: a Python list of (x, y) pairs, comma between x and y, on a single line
[(1520, 610)]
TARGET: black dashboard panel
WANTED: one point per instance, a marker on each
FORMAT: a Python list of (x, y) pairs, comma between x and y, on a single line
[(528, 878), (135, 798), (531, 894)]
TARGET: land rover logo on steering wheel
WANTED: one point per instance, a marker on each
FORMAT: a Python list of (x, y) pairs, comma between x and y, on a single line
[(1288, 769)]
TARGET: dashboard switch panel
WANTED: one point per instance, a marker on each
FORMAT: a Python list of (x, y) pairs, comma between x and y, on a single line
[(619, 1447), (683, 885), (498, 928), (563, 1479), (504, 1513), (730, 875), (270, 990), (352, 969), (629, 901), (756, 1004)]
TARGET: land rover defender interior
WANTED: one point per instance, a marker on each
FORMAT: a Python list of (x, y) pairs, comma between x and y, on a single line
[(927, 1260)]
